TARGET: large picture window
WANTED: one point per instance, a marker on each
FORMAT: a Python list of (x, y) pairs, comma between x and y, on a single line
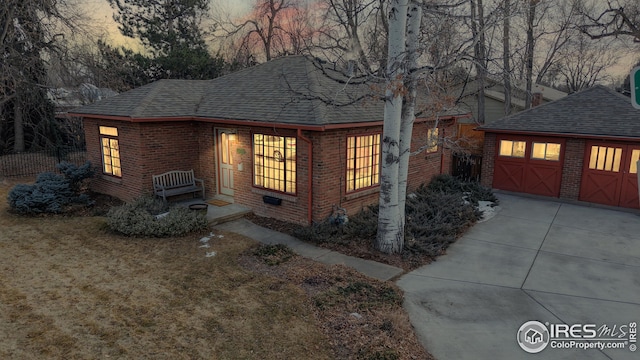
[(110, 151), (363, 161), (274, 163)]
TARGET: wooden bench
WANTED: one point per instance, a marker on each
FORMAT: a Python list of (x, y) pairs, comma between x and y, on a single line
[(177, 183)]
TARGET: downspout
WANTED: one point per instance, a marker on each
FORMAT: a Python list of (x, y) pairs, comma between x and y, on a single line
[(310, 176), (442, 153)]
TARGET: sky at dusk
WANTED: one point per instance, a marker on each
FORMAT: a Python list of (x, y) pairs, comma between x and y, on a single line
[(101, 15)]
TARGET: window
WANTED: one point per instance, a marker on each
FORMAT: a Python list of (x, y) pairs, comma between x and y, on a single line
[(274, 163), (432, 140), (110, 151), (363, 161), (545, 151), (635, 156), (605, 158), (512, 148)]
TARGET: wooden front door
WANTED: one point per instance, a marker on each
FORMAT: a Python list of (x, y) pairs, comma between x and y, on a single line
[(610, 174), (225, 161)]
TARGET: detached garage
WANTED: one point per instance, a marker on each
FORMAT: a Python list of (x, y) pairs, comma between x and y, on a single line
[(583, 147)]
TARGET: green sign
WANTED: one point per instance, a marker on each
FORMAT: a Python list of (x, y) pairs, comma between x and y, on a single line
[(635, 87)]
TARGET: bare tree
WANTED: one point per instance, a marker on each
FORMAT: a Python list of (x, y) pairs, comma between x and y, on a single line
[(583, 63), (273, 28), (616, 18)]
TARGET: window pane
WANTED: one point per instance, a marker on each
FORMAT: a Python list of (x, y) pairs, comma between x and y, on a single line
[(506, 147), (593, 159), (106, 130), (539, 151), (616, 160), (553, 152), (519, 148), (635, 156), (432, 138), (602, 155)]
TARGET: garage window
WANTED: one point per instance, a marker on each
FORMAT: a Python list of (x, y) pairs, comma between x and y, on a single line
[(546, 151), (635, 156), (514, 149), (605, 158)]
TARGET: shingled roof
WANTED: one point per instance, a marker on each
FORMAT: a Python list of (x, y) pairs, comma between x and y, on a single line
[(596, 111), (289, 90)]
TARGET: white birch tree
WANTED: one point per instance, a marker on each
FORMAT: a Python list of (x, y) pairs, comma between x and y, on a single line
[(399, 115)]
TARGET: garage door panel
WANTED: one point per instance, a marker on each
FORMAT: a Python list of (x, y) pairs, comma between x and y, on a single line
[(600, 187), (629, 194), (609, 174), (529, 164), (508, 176), (543, 180)]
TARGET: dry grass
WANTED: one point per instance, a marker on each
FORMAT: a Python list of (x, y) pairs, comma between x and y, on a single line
[(70, 290)]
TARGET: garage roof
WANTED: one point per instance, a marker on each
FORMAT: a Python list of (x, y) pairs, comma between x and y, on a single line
[(597, 111)]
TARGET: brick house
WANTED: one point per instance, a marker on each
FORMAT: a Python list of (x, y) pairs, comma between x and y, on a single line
[(293, 129), (584, 147)]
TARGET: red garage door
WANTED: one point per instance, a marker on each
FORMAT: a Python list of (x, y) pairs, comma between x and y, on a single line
[(610, 174), (529, 164)]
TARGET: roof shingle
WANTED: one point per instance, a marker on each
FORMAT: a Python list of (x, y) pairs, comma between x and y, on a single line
[(289, 90)]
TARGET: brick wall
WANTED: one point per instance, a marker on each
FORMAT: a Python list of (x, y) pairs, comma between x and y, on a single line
[(146, 149), (329, 172), (488, 159), (293, 207), (572, 169), (153, 148)]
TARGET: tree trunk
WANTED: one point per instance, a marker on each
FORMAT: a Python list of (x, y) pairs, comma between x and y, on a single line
[(529, 52), (506, 55), (390, 237), (480, 54), (18, 127), (409, 104)]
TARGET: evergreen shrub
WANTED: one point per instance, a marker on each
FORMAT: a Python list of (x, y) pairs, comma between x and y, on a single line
[(149, 216), (52, 193)]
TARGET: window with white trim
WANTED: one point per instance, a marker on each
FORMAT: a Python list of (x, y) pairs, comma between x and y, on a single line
[(274, 163), (363, 161), (110, 151)]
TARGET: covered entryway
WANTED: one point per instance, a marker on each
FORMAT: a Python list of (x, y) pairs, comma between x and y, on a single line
[(610, 174), (529, 164), (224, 138)]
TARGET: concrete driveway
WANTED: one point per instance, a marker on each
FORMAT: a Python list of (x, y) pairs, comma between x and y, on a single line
[(535, 260)]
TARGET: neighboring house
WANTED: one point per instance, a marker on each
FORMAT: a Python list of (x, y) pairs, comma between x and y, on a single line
[(292, 129), (494, 102), (65, 99), (495, 99), (582, 147)]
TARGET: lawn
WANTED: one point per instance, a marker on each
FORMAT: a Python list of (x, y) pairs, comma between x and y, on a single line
[(71, 290)]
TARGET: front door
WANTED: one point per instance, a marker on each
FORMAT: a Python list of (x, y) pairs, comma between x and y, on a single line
[(225, 161)]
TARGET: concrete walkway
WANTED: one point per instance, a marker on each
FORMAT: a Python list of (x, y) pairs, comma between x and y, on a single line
[(535, 260), (370, 268)]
